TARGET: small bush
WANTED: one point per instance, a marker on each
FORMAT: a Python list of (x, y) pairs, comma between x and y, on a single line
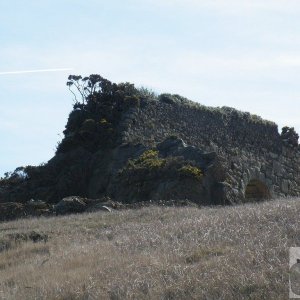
[(132, 101), (289, 136), (167, 98), (150, 160), (147, 93), (149, 154), (191, 171)]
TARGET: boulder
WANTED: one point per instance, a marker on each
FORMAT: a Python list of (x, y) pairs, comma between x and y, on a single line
[(170, 145), (69, 205), (174, 146)]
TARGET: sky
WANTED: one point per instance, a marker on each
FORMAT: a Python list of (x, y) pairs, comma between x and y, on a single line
[(243, 54)]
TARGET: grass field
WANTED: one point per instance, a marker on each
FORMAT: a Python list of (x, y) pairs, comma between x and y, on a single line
[(236, 252)]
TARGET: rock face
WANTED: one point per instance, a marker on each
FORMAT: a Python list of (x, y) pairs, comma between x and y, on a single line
[(132, 148), (248, 147), (171, 170)]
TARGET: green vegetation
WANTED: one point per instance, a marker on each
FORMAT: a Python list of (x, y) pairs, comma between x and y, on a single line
[(132, 101), (96, 98), (147, 93), (289, 136), (223, 112), (149, 154), (191, 171), (147, 172), (150, 160), (170, 167)]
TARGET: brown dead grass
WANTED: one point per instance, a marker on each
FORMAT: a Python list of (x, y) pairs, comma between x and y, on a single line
[(236, 252)]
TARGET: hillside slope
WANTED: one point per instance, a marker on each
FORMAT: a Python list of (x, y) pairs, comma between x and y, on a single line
[(236, 252)]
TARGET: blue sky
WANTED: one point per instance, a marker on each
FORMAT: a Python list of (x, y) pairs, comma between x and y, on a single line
[(244, 54)]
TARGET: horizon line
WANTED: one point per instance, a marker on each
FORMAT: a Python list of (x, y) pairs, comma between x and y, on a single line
[(35, 71)]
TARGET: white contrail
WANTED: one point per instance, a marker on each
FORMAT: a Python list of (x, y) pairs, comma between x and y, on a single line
[(36, 71)]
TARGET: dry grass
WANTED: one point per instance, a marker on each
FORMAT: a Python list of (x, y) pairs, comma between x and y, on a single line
[(154, 253)]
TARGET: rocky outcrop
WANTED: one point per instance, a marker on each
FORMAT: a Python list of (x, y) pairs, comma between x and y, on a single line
[(171, 170), (248, 147), (70, 205), (133, 147)]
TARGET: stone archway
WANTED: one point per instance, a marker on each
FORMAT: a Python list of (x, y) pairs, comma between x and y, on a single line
[(256, 191)]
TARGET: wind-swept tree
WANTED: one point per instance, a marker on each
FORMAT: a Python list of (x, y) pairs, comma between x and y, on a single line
[(95, 89), (88, 86)]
